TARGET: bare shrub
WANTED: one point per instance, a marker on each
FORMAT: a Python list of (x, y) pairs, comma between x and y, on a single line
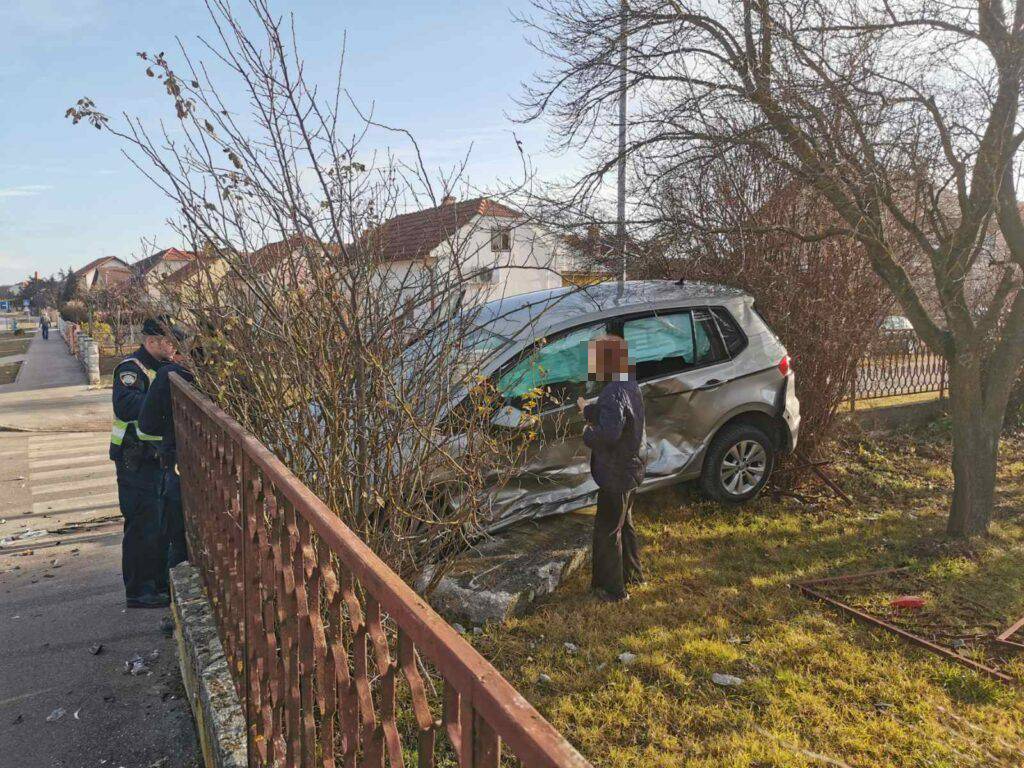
[(733, 224), (346, 362)]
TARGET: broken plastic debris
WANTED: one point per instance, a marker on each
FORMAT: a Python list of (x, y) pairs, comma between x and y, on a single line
[(627, 658), (56, 715), (571, 647), (542, 678), (96, 649), (719, 678), (136, 666)]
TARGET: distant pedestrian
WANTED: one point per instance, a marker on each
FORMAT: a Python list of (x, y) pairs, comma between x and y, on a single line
[(44, 323), (156, 419), (138, 471), (615, 435)]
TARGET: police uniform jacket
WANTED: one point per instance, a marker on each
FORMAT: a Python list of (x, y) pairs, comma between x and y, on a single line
[(156, 418), (132, 378)]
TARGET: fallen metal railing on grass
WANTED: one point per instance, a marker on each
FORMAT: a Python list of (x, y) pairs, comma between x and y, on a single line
[(814, 589), (331, 652)]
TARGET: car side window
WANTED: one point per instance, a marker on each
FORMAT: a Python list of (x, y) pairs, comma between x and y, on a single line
[(665, 344), (709, 344), (555, 369), (734, 338)]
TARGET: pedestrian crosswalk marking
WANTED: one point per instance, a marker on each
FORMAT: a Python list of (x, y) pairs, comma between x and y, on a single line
[(83, 502), (58, 441), (75, 485), (104, 465), (93, 458), (56, 453)]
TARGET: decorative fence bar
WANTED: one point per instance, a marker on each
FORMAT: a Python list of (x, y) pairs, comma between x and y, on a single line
[(337, 662), (898, 363)]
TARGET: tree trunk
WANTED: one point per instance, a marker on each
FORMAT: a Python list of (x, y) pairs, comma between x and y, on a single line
[(975, 450)]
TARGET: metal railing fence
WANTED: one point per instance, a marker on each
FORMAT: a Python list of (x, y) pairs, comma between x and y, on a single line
[(336, 660), (898, 363)]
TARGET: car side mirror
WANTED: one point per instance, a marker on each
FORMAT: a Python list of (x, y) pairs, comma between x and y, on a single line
[(508, 416)]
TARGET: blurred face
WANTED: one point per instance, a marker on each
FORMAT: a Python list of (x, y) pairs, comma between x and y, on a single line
[(607, 358)]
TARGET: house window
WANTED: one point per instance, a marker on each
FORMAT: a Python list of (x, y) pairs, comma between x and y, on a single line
[(501, 239)]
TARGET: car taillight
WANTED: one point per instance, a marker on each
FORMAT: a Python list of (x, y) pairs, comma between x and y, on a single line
[(784, 365)]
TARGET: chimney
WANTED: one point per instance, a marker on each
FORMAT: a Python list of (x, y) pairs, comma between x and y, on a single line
[(37, 274), (448, 200)]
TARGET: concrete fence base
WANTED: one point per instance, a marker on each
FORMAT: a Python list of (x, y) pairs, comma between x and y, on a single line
[(220, 722)]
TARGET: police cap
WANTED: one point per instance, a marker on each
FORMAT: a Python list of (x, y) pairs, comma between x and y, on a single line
[(162, 326)]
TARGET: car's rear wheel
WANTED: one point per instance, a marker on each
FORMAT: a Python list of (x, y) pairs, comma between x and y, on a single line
[(738, 464)]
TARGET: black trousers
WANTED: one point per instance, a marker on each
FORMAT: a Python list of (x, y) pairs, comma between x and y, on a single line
[(616, 555), (143, 548), (172, 521)]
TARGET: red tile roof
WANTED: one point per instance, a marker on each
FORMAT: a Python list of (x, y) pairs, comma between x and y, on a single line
[(143, 266), (413, 236)]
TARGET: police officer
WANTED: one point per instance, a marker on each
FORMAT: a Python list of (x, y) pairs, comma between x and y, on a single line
[(138, 470), (156, 420)]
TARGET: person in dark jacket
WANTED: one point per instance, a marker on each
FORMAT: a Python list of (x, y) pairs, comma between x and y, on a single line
[(138, 470), (615, 435), (156, 419)]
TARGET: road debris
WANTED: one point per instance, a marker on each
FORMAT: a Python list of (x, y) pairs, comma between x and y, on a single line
[(96, 649), (56, 715), (136, 666)]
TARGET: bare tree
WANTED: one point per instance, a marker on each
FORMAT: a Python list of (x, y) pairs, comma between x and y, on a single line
[(904, 117), (357, 369)]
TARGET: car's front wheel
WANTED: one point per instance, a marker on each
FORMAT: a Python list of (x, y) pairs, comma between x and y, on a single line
[(738, 463)]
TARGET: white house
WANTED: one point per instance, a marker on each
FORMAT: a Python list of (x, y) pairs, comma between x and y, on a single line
[(493, 248)]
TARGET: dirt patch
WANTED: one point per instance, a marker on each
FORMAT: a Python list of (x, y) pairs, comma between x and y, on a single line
[(9, 372)]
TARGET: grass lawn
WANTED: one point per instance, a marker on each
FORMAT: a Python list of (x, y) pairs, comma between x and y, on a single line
[(818, 689), (13, 345), (9, 372)]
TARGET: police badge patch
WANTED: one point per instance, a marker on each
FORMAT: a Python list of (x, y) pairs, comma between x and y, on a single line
[(128, 378)]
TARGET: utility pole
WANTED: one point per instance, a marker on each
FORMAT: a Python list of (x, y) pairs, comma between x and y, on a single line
[(620, 229)]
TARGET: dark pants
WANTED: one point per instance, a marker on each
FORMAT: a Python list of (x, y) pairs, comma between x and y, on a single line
[(46, 332), (172, 521), (616, 557), (143, 549)]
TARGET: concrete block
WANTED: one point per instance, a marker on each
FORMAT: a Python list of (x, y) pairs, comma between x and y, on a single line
[(502, 575), (220, 721)]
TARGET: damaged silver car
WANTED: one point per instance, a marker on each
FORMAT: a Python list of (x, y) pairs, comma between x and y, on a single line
[(717, 383)]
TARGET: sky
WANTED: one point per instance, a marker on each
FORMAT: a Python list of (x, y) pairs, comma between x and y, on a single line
[(448, 72)]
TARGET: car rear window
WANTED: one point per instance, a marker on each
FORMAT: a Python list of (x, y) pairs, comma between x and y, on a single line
[(734, 338)]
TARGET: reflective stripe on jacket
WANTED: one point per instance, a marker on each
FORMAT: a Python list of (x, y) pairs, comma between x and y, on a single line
[(120, 428)]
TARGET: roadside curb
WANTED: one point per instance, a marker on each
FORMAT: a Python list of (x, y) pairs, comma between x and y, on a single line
[(220, 723)]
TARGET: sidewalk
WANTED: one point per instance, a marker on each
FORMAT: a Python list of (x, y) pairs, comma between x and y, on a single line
[(51, 393), (66, 700)]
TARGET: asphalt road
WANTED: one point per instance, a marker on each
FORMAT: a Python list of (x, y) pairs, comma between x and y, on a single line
[(65, 698)]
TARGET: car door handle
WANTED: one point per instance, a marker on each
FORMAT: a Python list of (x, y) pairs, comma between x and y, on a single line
[(710, 384)]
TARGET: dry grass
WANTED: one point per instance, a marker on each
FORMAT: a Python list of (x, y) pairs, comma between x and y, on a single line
[(888, 402), (13, 345), (9, 372), (818, 689)]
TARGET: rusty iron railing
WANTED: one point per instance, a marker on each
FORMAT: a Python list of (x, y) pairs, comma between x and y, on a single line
[(898, 363), (337, 662)]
